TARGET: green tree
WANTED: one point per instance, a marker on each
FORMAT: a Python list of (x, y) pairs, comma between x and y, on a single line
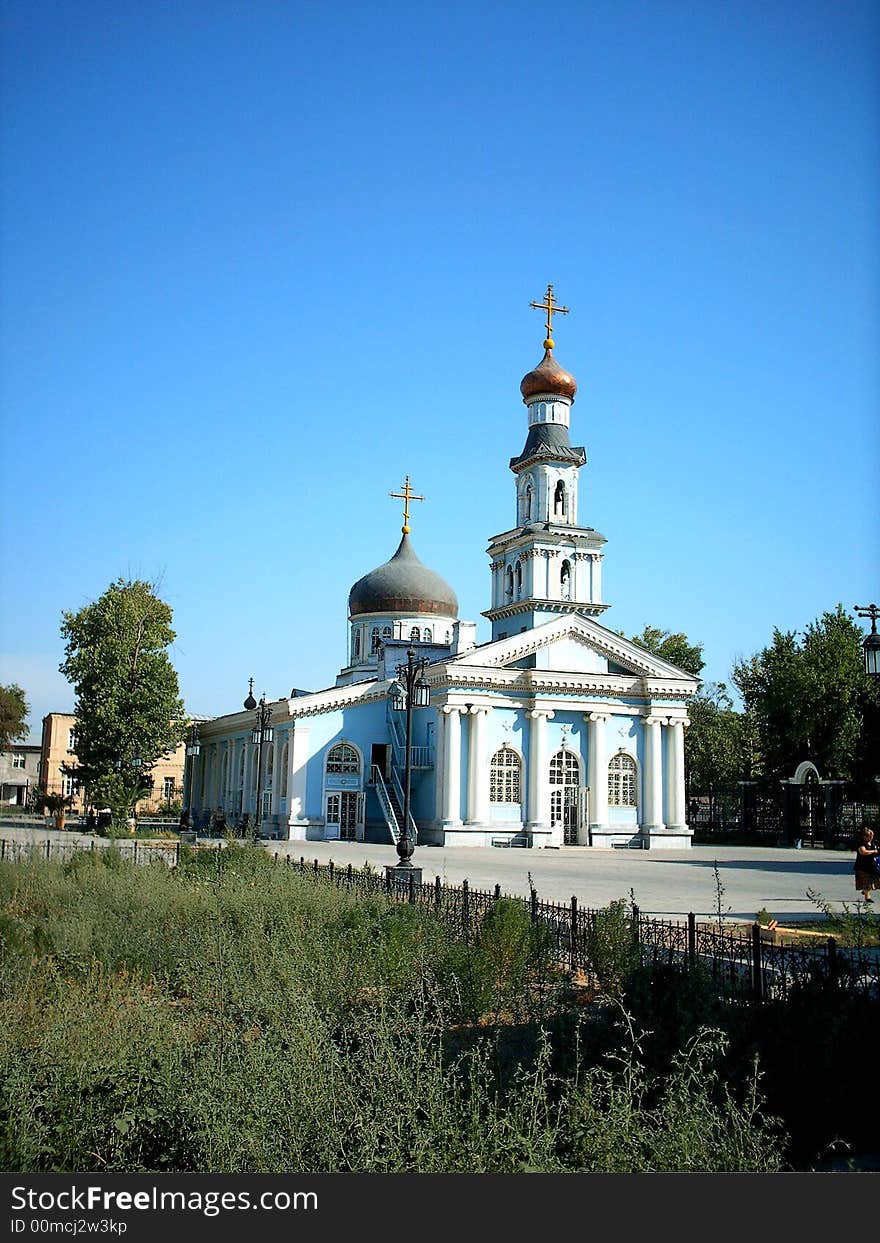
[(14, 711), (128, 708), (674, 648), (811, 700), (722, 745)]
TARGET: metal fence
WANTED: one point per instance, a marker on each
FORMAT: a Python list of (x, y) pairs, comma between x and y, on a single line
[(742, 964)]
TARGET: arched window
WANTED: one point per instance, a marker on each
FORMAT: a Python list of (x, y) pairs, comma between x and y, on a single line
[(285, 757), (505, 777), (527, 503), (622, 781), (517, 573), (386, 633), (343, 759), (508, 583), (564, 769), (565, 580), (415, 635), (374, 640), (355, 644), (428, 635), (559, 500), (542, 411)]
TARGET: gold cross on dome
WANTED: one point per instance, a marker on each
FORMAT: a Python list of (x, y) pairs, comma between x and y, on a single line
[(406, 495), (552, 309)]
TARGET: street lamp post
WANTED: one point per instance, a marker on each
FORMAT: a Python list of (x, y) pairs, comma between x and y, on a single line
[(192, 750), (871, 645), (261, 733), (407, 693)]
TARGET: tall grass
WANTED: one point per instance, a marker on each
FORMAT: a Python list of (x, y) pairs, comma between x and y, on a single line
[(233, 1015)]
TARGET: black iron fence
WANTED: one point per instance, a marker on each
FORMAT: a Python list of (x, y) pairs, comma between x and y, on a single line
[(741, 961), (812, 814)]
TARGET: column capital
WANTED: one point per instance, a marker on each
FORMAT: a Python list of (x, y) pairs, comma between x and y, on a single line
[(535, 713), (596, 716), (452, 709), (651, 719), (475, 709)]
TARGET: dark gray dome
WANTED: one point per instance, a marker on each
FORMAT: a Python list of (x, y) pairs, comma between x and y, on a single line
[(402, 585)]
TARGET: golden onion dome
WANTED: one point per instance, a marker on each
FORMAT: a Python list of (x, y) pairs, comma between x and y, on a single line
[(548, 377)]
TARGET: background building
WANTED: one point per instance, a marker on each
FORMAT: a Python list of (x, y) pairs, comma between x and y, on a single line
[(19, 773), (58, 752)]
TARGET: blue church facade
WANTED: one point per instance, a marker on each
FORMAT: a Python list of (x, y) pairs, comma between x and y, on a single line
[(555, 732)]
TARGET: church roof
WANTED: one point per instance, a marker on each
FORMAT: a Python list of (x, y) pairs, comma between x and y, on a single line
[(549, 440), (548, 377), (403, 585)]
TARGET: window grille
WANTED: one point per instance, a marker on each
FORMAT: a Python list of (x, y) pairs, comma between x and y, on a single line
[(343, 759), (505, 777), (622, 781)]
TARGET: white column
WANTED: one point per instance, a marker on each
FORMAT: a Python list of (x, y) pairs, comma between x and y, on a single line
[(675, 802), (297, 760), (451, 765), (539, 777), (652, 810), (598, 770), (277, 740), (478, 768), (596, 597)]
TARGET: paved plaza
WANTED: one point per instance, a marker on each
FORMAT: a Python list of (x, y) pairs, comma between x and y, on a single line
[(666, 884)]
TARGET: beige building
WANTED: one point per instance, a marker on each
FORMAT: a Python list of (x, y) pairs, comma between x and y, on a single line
[(58, 752)]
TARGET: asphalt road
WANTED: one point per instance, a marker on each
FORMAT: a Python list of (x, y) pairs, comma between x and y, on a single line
[(663, 883)]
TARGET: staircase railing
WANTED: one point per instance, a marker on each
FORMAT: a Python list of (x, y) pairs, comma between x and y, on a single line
[(386, 804), (398, 790)]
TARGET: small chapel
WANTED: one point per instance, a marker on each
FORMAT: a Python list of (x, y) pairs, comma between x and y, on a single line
[(556, 732)]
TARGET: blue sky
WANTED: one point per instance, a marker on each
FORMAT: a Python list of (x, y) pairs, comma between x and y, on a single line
[(259, 261)]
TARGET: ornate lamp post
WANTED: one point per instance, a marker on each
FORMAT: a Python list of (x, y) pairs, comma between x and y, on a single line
[(871, 645), (192, 750), (260, 734), (407, 693)]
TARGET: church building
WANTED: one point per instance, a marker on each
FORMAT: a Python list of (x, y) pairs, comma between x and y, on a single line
[(555, 732)]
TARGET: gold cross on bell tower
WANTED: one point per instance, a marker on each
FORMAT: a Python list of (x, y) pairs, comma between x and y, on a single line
[(406, 495), (552, 309)]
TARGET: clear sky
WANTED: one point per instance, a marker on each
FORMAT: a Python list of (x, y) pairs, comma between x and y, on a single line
[(260, 260)]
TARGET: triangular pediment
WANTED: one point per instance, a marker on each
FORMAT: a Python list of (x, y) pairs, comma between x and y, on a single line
[(571, 644)]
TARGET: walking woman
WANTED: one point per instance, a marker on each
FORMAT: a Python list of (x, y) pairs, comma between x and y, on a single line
[(865, 869)]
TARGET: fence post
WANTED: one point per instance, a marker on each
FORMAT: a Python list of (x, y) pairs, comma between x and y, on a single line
[(573, 955), (135, 850), (331, 871), (412, 887), (48, 845), (832, 960), (757, 966), (275, 856), (636, 916), (348, 875), (464, 905), (692, 939), (316, 867), (437, 892), (497, 892), (176, 852), (3, 850), (533, 905)]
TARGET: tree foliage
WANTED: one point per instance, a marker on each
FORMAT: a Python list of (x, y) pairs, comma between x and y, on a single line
[(722, 746), (812, 700), (674, 648), (129, 713), (14, 711)]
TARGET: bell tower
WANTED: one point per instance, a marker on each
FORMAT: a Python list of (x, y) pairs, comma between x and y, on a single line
[(546, 564)]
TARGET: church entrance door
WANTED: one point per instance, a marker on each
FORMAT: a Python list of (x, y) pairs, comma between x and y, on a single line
[(564, 794), (343, 809)]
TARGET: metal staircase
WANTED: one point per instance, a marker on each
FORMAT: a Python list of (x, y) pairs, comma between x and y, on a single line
[(389, 806)]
